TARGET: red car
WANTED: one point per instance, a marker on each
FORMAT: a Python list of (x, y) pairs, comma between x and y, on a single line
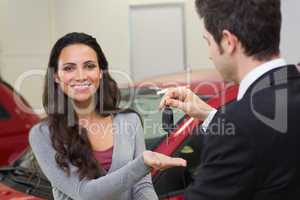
[(15, 122), (24, 180)]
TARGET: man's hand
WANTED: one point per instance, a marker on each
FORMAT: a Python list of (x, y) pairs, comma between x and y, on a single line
[(160, 161), (184, 99)]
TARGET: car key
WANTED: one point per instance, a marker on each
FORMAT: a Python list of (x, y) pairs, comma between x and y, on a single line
[(168, 120)]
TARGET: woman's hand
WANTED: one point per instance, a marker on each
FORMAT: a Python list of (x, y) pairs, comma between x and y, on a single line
[(160, 161)]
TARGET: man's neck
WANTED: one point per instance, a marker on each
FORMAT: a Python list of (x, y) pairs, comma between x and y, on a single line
[(247, 64)]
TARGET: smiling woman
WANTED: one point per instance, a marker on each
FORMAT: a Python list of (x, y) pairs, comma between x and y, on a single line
[(81, 162)]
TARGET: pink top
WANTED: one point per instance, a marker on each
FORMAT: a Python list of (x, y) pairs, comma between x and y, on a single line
[(104, 158)]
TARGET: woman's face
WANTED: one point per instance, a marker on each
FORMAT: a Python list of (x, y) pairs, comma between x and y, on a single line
[(78, 72)]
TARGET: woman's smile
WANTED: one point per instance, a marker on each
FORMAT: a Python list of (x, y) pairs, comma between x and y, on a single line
[(82, 87)]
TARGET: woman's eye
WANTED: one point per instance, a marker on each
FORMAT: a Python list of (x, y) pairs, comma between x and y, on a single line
[(68, 68), (91, 66)]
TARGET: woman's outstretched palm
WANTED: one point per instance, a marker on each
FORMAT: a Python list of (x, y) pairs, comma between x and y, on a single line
[(160, 161)]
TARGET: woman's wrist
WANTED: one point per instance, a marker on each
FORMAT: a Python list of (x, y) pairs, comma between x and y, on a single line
[(147, 155)]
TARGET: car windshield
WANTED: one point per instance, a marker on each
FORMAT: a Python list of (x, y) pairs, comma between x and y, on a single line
[(146, 101)]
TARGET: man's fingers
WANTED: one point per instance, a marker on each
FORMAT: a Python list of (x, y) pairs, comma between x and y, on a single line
[(175, 103), (168, 95), (162, 103), (178, 93), (173, 93)]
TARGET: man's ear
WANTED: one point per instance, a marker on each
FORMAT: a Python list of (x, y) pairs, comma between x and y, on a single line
[(229, 42)]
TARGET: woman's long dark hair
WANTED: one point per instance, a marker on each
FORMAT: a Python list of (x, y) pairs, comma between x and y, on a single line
[(68, 138)]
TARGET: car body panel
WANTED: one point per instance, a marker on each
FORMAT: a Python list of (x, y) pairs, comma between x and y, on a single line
[(7, 193), (180, 197), (15, 127)]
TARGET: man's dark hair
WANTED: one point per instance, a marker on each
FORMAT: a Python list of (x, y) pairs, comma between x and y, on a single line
[(256, 23)]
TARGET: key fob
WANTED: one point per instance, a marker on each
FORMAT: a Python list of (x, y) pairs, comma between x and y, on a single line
[(168, 120)]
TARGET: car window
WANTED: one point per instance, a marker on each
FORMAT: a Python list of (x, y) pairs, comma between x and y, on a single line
[(146, 101), (3, 113)]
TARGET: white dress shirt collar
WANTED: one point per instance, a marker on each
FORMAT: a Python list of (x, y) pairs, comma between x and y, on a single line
[(257, 72)]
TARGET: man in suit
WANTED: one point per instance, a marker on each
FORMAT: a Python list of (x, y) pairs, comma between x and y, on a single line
[(250, 147)]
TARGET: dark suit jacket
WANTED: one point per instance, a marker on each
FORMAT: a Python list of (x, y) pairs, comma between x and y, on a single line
[(251, 149)]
